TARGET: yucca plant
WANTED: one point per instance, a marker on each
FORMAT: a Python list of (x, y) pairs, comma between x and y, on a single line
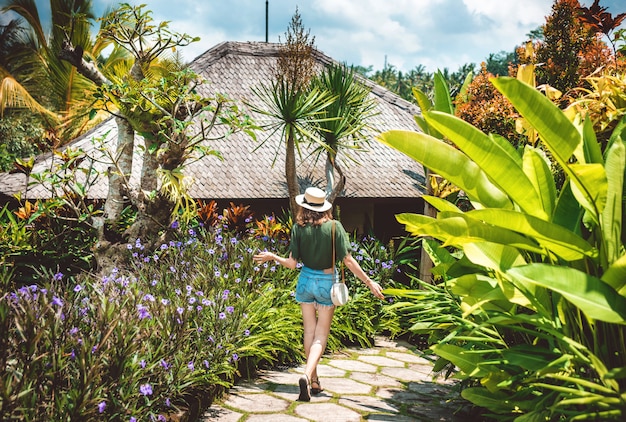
[(544, 295)]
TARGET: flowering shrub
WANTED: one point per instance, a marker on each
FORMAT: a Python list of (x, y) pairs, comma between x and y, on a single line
[(140, 344), (180, 324)]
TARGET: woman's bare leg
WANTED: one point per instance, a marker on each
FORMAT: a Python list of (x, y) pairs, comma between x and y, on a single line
[(316, 330)]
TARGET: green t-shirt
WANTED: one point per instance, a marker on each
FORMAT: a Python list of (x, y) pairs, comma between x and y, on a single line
[(313, 244)]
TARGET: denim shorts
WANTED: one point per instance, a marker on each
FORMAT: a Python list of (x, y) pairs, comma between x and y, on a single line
[(314, 287)]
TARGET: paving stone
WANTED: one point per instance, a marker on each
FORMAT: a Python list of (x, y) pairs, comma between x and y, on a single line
[(405, 374), (399, 395), (367, 404), (424, 368), (324, 370), (407, 357), (353, 365), (345, 386), (328, 412), (256, 403), (382, 361), (277, 377), (429, 388), (220, 414), (249, 387), (377, 380), (274, 418), (365, 351)]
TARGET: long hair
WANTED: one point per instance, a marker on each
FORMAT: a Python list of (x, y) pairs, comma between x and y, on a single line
[(306, 216)]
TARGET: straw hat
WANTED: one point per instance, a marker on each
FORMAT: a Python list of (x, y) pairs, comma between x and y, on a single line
[(314, 199)]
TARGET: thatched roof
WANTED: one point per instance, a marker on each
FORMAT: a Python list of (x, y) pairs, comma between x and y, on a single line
[(234, 69)]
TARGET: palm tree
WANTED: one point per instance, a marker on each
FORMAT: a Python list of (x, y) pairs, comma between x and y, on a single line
[(65, 91), (290, 102), (343, 128)]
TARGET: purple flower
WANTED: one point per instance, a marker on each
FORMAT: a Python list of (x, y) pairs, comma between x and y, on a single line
[(101, 406), (168, 403), (172, 269), (206, 364), (57, 301), (180, 310), (164, 246), (57, 277), (143, 312), (235, 357), (225, 294), (129, 246), (174, 224), (192, 232), (78, 288), (142, 363), (164, 364), (165, 302), (230, 309), (145, 389), (246, 333), (191, 366), (73, 331), (222, 315), (132, 419)]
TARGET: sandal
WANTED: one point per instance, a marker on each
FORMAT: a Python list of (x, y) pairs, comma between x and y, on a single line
[(318, 389), (305, 394)]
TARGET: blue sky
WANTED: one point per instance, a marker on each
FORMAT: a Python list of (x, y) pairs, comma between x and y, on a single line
[(437, 34)]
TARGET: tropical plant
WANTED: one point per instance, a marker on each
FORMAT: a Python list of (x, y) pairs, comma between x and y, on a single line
[(59, 86), (160, 102), (290, 103), (539, 273), (345, 123)]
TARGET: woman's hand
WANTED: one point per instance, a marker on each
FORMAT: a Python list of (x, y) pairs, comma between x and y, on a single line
[(263, 257), (376, 289)]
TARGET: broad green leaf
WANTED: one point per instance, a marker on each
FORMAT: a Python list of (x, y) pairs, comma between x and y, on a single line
[(615, 276), (469, 363), (530, 357), (506, 147), (460, 230), (446, 161), (502, 169), (535, 165), (495, 256), (590, 188), (479, 292), (557, 132), (591, 295), (498, 402), (441, 204), (568, 212), (552, 237), (611, 222), (443, 101), (591, 146)]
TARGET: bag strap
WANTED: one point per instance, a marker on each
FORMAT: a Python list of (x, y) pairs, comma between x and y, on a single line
[(334, 255)]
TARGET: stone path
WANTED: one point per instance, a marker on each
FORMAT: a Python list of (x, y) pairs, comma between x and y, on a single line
[(387, 382)]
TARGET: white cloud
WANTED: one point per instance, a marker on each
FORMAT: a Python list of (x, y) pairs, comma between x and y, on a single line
[(433, 33)]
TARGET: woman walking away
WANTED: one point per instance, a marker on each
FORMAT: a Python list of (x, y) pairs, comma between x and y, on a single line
[(311, 243)]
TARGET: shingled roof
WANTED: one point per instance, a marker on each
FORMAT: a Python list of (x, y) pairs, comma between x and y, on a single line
[(248, 172)]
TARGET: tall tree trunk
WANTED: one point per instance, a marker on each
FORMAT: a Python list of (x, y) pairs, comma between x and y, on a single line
[(290, 174), (426, 264), (341, 182)]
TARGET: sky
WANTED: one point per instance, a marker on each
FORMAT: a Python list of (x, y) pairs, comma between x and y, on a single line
[(435, 34)]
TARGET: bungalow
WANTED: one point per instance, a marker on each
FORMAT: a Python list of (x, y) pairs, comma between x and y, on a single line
[(381, 182)]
